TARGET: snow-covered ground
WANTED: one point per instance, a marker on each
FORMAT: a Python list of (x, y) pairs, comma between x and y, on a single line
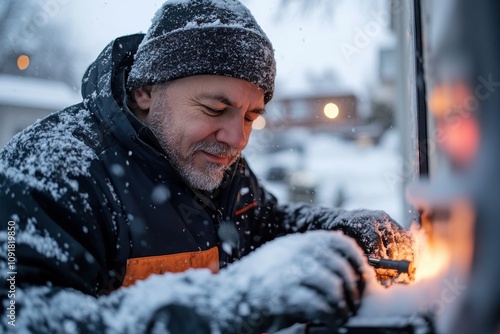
[(347, 173)]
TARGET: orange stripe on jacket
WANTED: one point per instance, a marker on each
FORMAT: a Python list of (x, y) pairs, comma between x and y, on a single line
[(246, 208), (140, 268)]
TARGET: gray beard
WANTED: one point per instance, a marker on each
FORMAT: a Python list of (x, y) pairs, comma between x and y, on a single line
[(207, 179)]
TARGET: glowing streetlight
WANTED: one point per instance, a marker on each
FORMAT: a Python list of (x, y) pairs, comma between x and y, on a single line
[(23, 61), (331, 110), (259, 123)]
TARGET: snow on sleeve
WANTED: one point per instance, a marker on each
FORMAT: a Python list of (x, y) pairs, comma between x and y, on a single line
[(43, 243), (127, 310), (56, 312), (299, 216), (138, 303)]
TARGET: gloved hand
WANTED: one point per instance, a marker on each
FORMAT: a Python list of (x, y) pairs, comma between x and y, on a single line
[(317, 276), (178, 319), (378, 235), (374, 231)]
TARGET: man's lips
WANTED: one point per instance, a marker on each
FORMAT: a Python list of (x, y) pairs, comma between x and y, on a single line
[(218, 159)]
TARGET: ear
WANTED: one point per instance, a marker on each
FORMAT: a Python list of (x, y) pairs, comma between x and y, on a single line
[(142, 96)]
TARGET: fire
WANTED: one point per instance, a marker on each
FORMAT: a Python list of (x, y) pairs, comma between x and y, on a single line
[(444, 241), (432, 256)]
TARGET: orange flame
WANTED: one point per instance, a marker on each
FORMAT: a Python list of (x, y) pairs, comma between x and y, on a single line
[(432, 256), (442, 243)]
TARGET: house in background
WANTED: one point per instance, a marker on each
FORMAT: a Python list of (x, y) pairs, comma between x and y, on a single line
[(315, 110), (24, 100)]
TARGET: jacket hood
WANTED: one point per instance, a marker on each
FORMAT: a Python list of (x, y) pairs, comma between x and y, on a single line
[(104, 93), (103, 84)]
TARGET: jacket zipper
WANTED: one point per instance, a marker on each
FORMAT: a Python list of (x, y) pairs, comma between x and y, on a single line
[(225, 214)]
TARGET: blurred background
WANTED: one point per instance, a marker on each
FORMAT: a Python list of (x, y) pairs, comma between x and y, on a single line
[(339, 131)]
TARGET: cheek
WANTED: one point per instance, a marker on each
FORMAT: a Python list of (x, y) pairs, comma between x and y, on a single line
[(248, 132), (196, 130)]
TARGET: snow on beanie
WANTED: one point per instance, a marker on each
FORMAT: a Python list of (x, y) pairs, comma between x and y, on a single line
[(193, 37)]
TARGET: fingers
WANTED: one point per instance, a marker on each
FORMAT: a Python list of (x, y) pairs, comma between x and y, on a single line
[(343, 260), (306, 305), (396, 244), (382, 237), (177, 319), (397, 241), (338, 280), (377, 233), (352, 282), (332, 289), (386, 230), (347, 263)]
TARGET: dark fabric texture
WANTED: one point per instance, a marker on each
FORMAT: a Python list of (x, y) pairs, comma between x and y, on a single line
[(205, 37)]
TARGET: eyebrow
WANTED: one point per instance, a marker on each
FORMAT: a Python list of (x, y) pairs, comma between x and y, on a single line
[(224, 99)]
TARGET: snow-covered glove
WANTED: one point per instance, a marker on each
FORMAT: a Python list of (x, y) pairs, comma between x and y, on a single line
[(379, 236), (178, 319), (375, 232), (317, 277)]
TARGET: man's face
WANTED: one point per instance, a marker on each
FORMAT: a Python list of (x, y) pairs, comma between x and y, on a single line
[(203, 123)]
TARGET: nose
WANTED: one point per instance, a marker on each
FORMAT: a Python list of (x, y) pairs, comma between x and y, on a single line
[(233, 132)]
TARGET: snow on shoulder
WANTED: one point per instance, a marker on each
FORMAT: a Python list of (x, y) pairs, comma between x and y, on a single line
[(49, 155)]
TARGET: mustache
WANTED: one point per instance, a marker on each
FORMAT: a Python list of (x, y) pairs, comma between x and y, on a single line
[(220, 149)]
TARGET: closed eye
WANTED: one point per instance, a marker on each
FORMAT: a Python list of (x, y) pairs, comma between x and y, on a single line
[(250, 117), (212, 111)]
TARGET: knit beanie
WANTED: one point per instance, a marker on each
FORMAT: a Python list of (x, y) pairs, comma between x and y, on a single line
[(195, 37)]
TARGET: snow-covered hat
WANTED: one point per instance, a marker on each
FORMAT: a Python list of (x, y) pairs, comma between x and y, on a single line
[(192, 37)]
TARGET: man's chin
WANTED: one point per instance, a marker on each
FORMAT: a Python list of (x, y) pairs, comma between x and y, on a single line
[(205, 175), (206, 179), (206, 186)]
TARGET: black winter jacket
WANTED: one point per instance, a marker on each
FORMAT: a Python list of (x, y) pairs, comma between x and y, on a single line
[(87, 190)]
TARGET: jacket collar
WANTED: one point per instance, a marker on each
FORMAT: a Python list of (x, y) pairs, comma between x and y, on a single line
[(104, 93)]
